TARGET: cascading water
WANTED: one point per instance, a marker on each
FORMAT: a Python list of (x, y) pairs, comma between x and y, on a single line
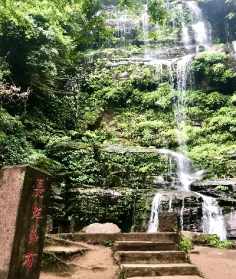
[(164, 64), (121, 26), (122, 22), (212, 221), (234, 48), (145, 25), (170, 205), (201, 28), (182, 74), (154, 219), (186, 37), (182, 215), (185, 170)]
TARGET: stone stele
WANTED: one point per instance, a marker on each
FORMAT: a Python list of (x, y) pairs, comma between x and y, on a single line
[(23, 205)]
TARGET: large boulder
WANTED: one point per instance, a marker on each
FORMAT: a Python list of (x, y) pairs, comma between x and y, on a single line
[(101, 228)]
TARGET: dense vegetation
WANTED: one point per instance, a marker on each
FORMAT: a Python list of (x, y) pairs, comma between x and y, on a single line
[(62, 102)]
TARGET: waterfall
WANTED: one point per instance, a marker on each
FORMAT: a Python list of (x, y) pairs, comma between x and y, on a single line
[(198, 33), (182, 73), (201, 28), (182, 215), (213, 219), (154, 219), (202, 36), (183, 69), (186, 37), (170, 205), (145, 25), (185, 172), (121, 22), (234, 48), (164, 64)]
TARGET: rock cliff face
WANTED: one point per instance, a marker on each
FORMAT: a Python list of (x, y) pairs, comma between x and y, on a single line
[(151, 91), (130, 209)]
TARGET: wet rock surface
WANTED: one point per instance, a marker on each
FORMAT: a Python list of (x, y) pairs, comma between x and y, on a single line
[(222, 189), (187, 206)]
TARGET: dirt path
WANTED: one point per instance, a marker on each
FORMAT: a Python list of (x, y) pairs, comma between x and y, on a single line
[(98, 264), (216, 263), (95, 264)]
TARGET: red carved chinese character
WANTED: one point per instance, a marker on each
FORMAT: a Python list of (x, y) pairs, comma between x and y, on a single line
[(29, 260), (39, 189), (37, 211), (33, 236)]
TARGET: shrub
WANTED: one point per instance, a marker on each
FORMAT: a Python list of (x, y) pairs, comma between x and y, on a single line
[(214, 69), (162, 97), (214, 241), (185, 244)]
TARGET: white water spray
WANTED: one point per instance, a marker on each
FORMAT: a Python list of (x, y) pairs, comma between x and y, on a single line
[(201, 28), (154, 219), (145, 25), (170, 205), (182, 72), (234, 48), (182, 215), (186, 37), (213, 219), (185, 171)]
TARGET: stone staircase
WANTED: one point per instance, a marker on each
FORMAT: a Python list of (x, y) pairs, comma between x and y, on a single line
[(153, 256)]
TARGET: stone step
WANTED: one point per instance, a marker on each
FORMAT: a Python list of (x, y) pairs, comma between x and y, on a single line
[(164, 236), (101, 237), (145, 246), (132, 270), (152, 257)]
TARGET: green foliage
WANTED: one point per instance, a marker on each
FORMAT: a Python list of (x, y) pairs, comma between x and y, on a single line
[(143, 127), (143, 80), (214, 69), (101, 206), (130, 3), (209, 102), (108, 243), (214, 241), (162, 97), (185, 244), (158, 11), (222, 188), (41, 39), (233, 99), (122, 274), (14, 148), (214, 158), (128, 208)]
